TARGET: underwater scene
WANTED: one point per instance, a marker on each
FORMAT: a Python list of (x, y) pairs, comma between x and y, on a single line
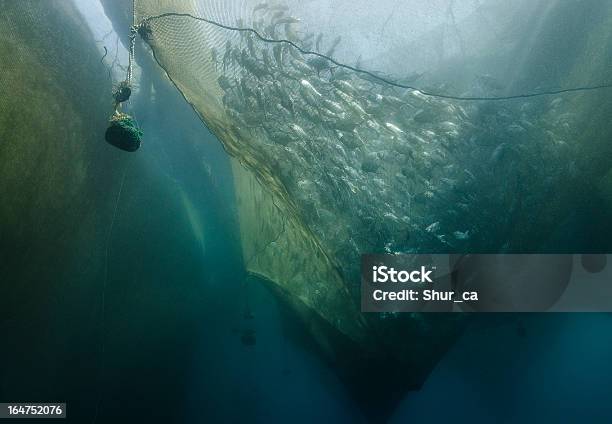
[(189, 191)]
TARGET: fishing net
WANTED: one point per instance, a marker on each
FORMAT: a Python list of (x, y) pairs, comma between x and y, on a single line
[(393, 126), (53, 102)]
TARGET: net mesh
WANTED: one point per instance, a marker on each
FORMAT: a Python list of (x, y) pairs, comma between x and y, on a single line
[(52, 110), (351, 134)]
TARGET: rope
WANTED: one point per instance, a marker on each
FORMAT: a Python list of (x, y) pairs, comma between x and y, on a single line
[(109, 235), (133, 33), (149, 19)]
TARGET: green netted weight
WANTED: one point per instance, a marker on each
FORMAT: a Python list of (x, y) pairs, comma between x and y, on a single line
[(123, 133)]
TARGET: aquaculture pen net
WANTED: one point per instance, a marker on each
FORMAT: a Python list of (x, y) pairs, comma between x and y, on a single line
[(335, 161)]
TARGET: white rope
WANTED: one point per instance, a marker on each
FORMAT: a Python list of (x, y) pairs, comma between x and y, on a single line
[(133, 33)]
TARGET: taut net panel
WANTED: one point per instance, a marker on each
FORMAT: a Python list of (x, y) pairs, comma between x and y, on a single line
[(392, 126)]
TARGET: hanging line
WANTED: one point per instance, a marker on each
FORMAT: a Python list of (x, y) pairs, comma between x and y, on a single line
[(133, 32), (103, 311)]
